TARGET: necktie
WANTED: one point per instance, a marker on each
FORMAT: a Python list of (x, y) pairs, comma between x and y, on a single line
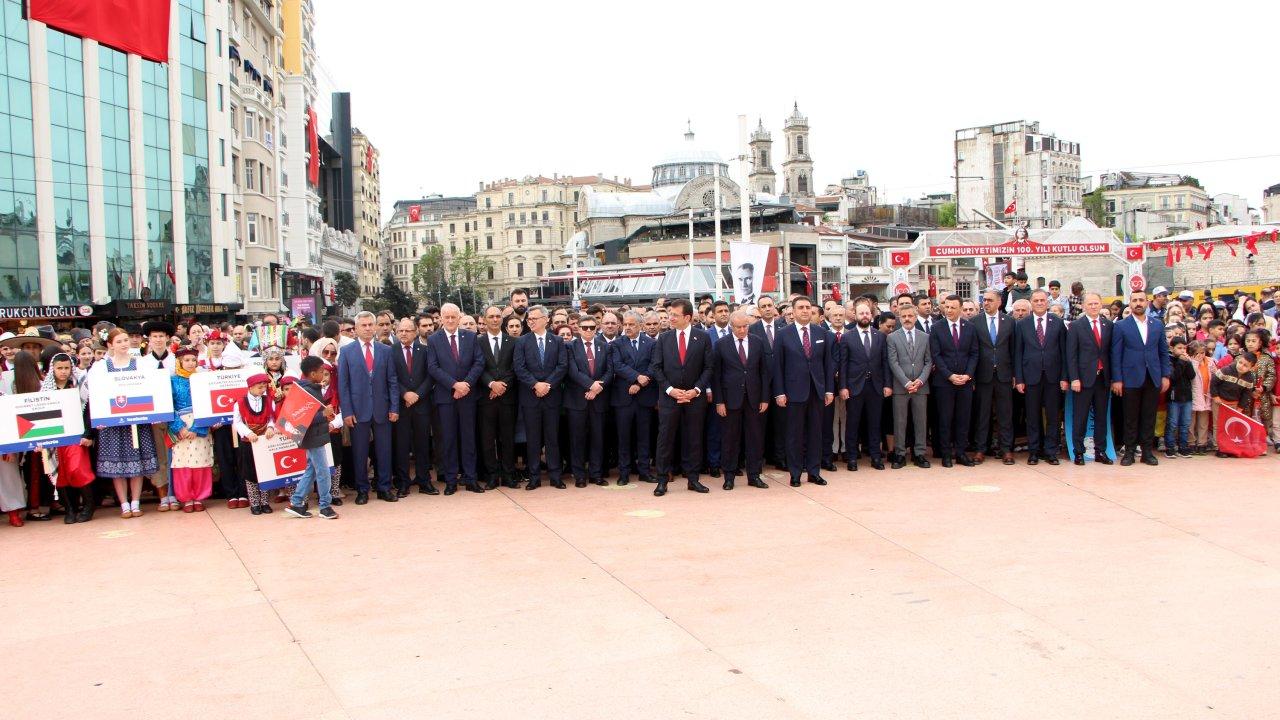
[(368, 357), (542, 348), (955, 334), (635, 345), (838, 334), (680, 333), (804, 340), (1097, 337), (742, 353), (453, 346), (408, 357), (768, 328), (991, 323), (1040, 330), (911, 344), (591, 359), (495, 346), (866, 343)]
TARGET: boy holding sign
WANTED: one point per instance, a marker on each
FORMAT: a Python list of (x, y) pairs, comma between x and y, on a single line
[(314, 440)]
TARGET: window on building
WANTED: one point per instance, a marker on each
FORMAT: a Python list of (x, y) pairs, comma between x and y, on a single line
[(235, 170), (544, 196), (255, 283), (488, 242), (250, 175), (250, 124), (799, 144), (537, 237), (491, 272), (575, 196), (519, 237), (511, 218), (511, 198), (544, 216), (224, 206), (802, 184), (452, 228), (488, 222), (453, 247), (519, 269), (251, 228), (226, 262), (488, 203), (284, 179), (539, 268), (522, 216)]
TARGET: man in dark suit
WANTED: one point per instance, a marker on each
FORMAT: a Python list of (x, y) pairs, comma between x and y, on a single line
[(1089, 372), (1140, 371), (681, 367), (775, 433), (835, 320), (953, 347), (803, 369), (994, 389), (864, 384), (716, 329), (370, 400), (586, 398), (540, 363), (413, 429), (455, 362), (634, 396), (1040, 346), (497, 404), (740, 382)]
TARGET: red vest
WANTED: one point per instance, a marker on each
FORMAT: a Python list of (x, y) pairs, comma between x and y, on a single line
[(258, 422)]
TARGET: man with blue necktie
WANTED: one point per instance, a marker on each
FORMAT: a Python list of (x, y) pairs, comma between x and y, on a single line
[(455, 362), (541, 362), (718, 328), (370, 400), (634, 396)]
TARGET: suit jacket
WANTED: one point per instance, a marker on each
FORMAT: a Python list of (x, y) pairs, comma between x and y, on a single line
[(628, 364), (860, 365), (445, 371), (795, 375), (1035, 364), (580, 376), (1083, 352), (367, 396), (995, 355), (500, 368), (1132, 361), (757, 329), (908, 364), (412, 378), (530, 369), (669, 372), (734, 383), (948, 358)]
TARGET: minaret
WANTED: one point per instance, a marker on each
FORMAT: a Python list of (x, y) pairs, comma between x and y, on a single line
[(797, 170), (762, 178)]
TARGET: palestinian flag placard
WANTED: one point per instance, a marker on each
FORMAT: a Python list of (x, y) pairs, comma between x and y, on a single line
[(50, 418)]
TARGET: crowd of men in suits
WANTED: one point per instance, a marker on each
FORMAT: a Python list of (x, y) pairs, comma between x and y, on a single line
[(670, 391)]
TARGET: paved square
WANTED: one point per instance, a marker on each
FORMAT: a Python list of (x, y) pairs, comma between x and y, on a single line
[(998, 592)]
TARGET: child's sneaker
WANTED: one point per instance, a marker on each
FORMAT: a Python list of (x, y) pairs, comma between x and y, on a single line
[(298, 512), (1170, 454), (328, 513), (1185, 453)]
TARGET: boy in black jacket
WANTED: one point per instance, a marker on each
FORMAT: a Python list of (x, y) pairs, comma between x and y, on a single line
[(314, 441), (1177, 422)]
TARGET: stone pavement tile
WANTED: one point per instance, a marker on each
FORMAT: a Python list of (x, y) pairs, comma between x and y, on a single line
[(694, 683)]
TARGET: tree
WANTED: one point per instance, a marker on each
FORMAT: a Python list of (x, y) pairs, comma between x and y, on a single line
[(437, 280), (465, 270), (1193, 182), (1095, 207), (346, 291), (947, 214), (399, 302), (429, 277)]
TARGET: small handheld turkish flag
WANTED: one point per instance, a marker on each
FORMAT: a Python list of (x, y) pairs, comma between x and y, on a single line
[(290, 462), (1133, 253), (1012, 208), (900, 258), (1240, 435)]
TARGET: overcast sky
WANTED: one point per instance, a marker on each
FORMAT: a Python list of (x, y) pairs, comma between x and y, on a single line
[(453, 94)]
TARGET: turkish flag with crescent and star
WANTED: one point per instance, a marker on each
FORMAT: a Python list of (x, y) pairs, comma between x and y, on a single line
[(1012, 207), (223, 401), (1240, 435), (290, 462), (900, 258), (1133, 253)]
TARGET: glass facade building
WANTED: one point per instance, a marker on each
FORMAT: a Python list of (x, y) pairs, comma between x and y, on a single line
[(19, 244), (195, 149)]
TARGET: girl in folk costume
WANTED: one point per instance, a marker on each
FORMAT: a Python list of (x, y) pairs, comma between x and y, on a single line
[(327, 350), (192, 461), (255, 415), (70, 467), (1256, 341), (230, 481), (273, 366), (118, 459), (22, 377)]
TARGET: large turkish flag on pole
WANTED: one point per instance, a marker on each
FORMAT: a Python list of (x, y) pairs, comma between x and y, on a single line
[(134, 26), (1238, 434)]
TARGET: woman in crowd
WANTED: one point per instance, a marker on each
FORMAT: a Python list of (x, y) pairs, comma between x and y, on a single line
[(327, 350), (119, 458), (273, 366), (71, 466), (1257, 341), (192, 460), (84, 357), (1174, 314)]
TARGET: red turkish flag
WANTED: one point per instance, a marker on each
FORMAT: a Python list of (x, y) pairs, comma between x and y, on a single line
[(297, 410), (290, 462), (1240, 435), (224, 401), (1012, 207), (1133, 253), (900, 258), (415, 212), (133, 26)]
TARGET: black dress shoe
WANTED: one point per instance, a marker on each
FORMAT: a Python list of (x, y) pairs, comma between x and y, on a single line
[(715, 472), (336, 501), (1104, 460), (1126, 460), (402, 492), (851, 466), (877, 464), (533, 485), (1007, 458), (898, 462), (450, 488), (756, 482), (557, 484), (648, 479), (623, 480), (696, 486), (661, 489), (387, 496), (1079, 460), (817, 480), (599, 481), (966, 461), (362, 498), (829, 466), (428, 488), (948, 462), (922, 462), (728, 483), (795, 481), (491, 485), (1052, 460), (580, 482), (474, 487), (1150, 460), (1033, 459)]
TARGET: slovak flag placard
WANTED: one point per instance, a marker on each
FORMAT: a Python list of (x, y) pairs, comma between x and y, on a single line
[(279, 461), (128, 397), (214, 395)]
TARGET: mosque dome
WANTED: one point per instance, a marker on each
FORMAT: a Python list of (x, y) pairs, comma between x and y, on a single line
[(687, 162)]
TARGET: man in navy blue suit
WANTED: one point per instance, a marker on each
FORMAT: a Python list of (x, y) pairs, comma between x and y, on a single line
[(1040, 343), (586, 398), (541, 362), (370, 400), (1140, 371), (718, 328), (455, 362), (740, 382), (681, 367), (633, 396), (865, 382), (803, 370), (953, 346), (413, 429), (767, 329), (1089, 372)]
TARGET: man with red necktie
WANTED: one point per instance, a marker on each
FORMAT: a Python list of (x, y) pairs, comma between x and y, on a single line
[(1089, 372), (804, 383), (370, 398), (681, 367)]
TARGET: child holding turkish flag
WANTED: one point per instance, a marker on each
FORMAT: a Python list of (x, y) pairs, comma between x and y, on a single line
[(315, 374)]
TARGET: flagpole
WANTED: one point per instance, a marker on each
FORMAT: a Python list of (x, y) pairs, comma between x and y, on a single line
[(719, 286), (690, 256)]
